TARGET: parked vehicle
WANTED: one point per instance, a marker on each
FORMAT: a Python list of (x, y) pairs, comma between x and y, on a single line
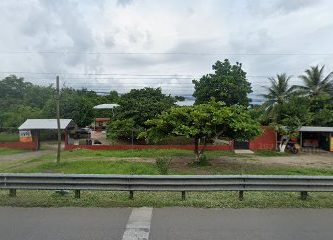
[(83, 133), (293, 147)]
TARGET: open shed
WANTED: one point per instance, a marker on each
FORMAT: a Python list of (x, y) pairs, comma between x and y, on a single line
[(30, 129), (316, 137)]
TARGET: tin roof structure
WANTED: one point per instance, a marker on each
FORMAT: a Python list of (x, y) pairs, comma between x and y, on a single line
[(106, 106), (315, 129), (46, 124)]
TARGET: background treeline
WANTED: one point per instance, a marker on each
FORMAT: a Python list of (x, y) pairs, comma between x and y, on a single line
[(308, 104)]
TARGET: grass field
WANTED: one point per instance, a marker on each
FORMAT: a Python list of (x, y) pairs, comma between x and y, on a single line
[(9, 151), (9, 137), (166, 199), (127, 167), (143, 162)]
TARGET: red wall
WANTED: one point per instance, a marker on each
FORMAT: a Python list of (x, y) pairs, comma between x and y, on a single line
[(127, 147), (31, 146), (266, 141)]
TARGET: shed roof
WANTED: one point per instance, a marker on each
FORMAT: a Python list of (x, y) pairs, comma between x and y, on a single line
[(315, 129), (46, 124), (185, 103), (106, 106)]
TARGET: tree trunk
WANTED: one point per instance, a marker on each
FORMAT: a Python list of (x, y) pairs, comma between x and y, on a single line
[(204, 147), (196, 149)]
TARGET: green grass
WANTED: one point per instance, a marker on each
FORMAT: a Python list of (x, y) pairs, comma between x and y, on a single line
[(110, 162), (93, 167), (251, 169), (47, 164), (9, 137), (9, 151), (144, 153), (164, 199)]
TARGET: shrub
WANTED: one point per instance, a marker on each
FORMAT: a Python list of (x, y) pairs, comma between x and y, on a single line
[(203, 161), (163, 165)]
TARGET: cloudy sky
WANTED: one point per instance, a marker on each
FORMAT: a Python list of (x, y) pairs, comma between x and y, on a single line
[(124, 44)]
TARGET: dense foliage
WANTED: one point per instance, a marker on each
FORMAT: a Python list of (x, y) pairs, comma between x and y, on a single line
[(310, 103), (20, 100), (136, 107), (228, 84), (204, 121), (290, 107)]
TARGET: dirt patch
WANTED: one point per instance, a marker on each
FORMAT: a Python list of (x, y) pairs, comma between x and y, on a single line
[(24, 156), (317, 160)]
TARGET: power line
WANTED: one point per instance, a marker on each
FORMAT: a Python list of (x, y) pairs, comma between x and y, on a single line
[(171, 53), (94, 74), (159, 76)]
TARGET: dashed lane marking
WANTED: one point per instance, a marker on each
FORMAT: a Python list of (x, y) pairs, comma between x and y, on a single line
[(138, 225)]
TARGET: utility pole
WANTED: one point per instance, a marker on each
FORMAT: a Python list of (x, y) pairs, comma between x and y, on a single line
[(58, 119)]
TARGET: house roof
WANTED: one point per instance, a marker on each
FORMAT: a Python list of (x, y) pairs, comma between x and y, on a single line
[(315, 129), (106, 106), (102, 119), (185, 103), (46, 124)]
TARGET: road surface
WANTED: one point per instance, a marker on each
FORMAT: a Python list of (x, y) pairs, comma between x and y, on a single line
[(164, 223)]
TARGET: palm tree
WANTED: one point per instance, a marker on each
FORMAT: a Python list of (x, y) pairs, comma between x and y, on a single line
[(315, 84), (279, 92)]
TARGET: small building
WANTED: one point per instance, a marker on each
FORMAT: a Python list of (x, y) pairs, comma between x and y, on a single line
[(316, 138), (266, 141), (30, 129), (101, 123)]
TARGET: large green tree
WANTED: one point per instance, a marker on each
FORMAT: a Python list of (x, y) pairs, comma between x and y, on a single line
[(19, 114), (228, 84), (291, 116), (278, 93), (136, 107), (318, 89), (74, 104), (204, 121), (315, 83), (12, 91)]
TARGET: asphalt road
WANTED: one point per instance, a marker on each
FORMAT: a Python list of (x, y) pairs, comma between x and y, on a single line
[(164, 223)]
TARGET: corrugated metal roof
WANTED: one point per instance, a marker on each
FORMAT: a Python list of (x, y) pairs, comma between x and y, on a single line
[(106, 106), (46, 124), (185, 103), (315, 129)]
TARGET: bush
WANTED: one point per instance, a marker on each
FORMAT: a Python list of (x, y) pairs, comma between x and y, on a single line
[(120, 129), (163, 165), (203, 161)]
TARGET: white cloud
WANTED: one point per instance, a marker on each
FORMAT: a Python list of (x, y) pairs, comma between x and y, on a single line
[(253, 26)]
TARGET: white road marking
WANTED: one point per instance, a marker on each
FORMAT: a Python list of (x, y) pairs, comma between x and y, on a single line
[(138, 225)]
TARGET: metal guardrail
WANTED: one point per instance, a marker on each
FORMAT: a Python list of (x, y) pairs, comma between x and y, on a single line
[(190, 183)]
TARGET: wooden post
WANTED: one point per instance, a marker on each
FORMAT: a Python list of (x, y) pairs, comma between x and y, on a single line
[(12, 192), (77, 193), (131, 195), (241, 195), (132, 137), (183, 195), (58, 119), (304, 195)]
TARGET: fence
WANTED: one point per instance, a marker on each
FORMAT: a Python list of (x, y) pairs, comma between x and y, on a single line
[(183, 184)]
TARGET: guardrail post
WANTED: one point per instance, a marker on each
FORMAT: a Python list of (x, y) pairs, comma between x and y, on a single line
[(12, 192), (241, 195), (131, 195), (77, 193), (183, 195), (304, 195)]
